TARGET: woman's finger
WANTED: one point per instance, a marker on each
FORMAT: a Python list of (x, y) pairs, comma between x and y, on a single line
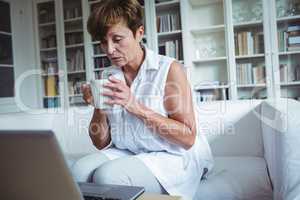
[(114, 102), (113, 94), (114, 86), (114, 80), (87, 94)]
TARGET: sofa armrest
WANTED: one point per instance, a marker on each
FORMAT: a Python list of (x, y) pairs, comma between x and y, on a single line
[(281, 128)]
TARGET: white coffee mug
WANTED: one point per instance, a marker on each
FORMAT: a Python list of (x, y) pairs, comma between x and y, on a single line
[(97, 89)]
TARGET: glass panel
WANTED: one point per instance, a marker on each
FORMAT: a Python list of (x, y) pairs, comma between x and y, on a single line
[(7, 82), (209, 71), (4, 17), (168, 22), (288, 27), (74, 49), (249, 49), (48, 53), (6, 54)]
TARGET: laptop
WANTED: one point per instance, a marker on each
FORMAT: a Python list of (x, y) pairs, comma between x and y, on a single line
[(32, 167)]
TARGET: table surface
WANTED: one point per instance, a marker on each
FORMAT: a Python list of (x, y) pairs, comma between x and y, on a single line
[(148, 196)]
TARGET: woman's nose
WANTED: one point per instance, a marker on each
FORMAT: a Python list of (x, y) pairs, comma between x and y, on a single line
[(110, 48)]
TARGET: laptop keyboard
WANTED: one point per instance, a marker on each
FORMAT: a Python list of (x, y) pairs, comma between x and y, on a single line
[(98, 198)]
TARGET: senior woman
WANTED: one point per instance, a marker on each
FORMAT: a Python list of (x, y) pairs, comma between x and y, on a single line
[(152, 140)]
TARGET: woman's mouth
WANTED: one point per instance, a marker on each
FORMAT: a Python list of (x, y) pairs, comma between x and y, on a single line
[(116, 59)]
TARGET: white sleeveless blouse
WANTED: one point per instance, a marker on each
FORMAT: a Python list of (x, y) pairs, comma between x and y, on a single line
[(178, 170)]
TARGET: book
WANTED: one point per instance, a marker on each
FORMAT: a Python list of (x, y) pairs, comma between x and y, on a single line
[(50, 86), (244, 73), (282, 40), (168, 22), (292, 40), (293, 48), (293, 28), (283, 72), (258, 74)]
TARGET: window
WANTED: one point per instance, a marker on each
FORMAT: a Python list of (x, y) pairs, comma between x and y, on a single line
[(6, 53)]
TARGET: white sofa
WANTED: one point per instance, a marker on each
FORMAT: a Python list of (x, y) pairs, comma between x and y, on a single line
[(254, 144)]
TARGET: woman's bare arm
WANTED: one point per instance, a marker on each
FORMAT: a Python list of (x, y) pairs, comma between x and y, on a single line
[(99, 130), (179, 127)]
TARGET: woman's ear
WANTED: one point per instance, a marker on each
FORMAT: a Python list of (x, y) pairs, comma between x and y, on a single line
[(140, 33)]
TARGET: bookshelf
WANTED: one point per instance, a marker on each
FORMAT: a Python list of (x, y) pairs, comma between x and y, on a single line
[(169, 29), (232, 46), (205, 46), (67, 55), (48, 55), (61, 55), (288, 36), (249, 49), (6, 53), (228, 54), (258, 67), (74, 49)]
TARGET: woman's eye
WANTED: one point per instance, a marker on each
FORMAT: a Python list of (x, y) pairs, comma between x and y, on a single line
[(117, 40)]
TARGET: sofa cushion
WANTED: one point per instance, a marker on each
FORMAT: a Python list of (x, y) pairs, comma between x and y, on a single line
[(226, 125), (71, 159), (236, 178)]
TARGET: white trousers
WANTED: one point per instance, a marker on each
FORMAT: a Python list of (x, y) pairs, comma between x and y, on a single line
[(127, 170)]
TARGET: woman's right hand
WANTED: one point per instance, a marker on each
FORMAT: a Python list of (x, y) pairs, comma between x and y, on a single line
[(87, 94)]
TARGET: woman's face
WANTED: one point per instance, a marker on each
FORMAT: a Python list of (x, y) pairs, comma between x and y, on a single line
[(120, 45)]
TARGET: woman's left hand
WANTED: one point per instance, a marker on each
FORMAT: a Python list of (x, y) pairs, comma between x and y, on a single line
[(120, 94)]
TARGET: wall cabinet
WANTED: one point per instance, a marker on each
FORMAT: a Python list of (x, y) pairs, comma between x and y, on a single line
[(68, 56), (243, 49), (232, 49)]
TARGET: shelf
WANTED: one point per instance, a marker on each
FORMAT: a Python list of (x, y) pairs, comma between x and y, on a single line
[(54, 59), (166, 4), (251, 85), (208, 29), (47, 24), (49, 49), (203, 60), (251, 23), (288, 18), (172, 33), (76, 95), (95, 42), (211, 87), (294, 83), (288, 53), (51, 74), (48, 97), (250, 56), (204, 2), (99, 55), (5, 33), (94, 1), (5, 65), (77, 72), (74, 45), (100, 69), (75, 31), (73, 19)]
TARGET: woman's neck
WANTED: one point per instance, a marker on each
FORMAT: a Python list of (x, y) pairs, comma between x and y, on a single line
[(134, 66)]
